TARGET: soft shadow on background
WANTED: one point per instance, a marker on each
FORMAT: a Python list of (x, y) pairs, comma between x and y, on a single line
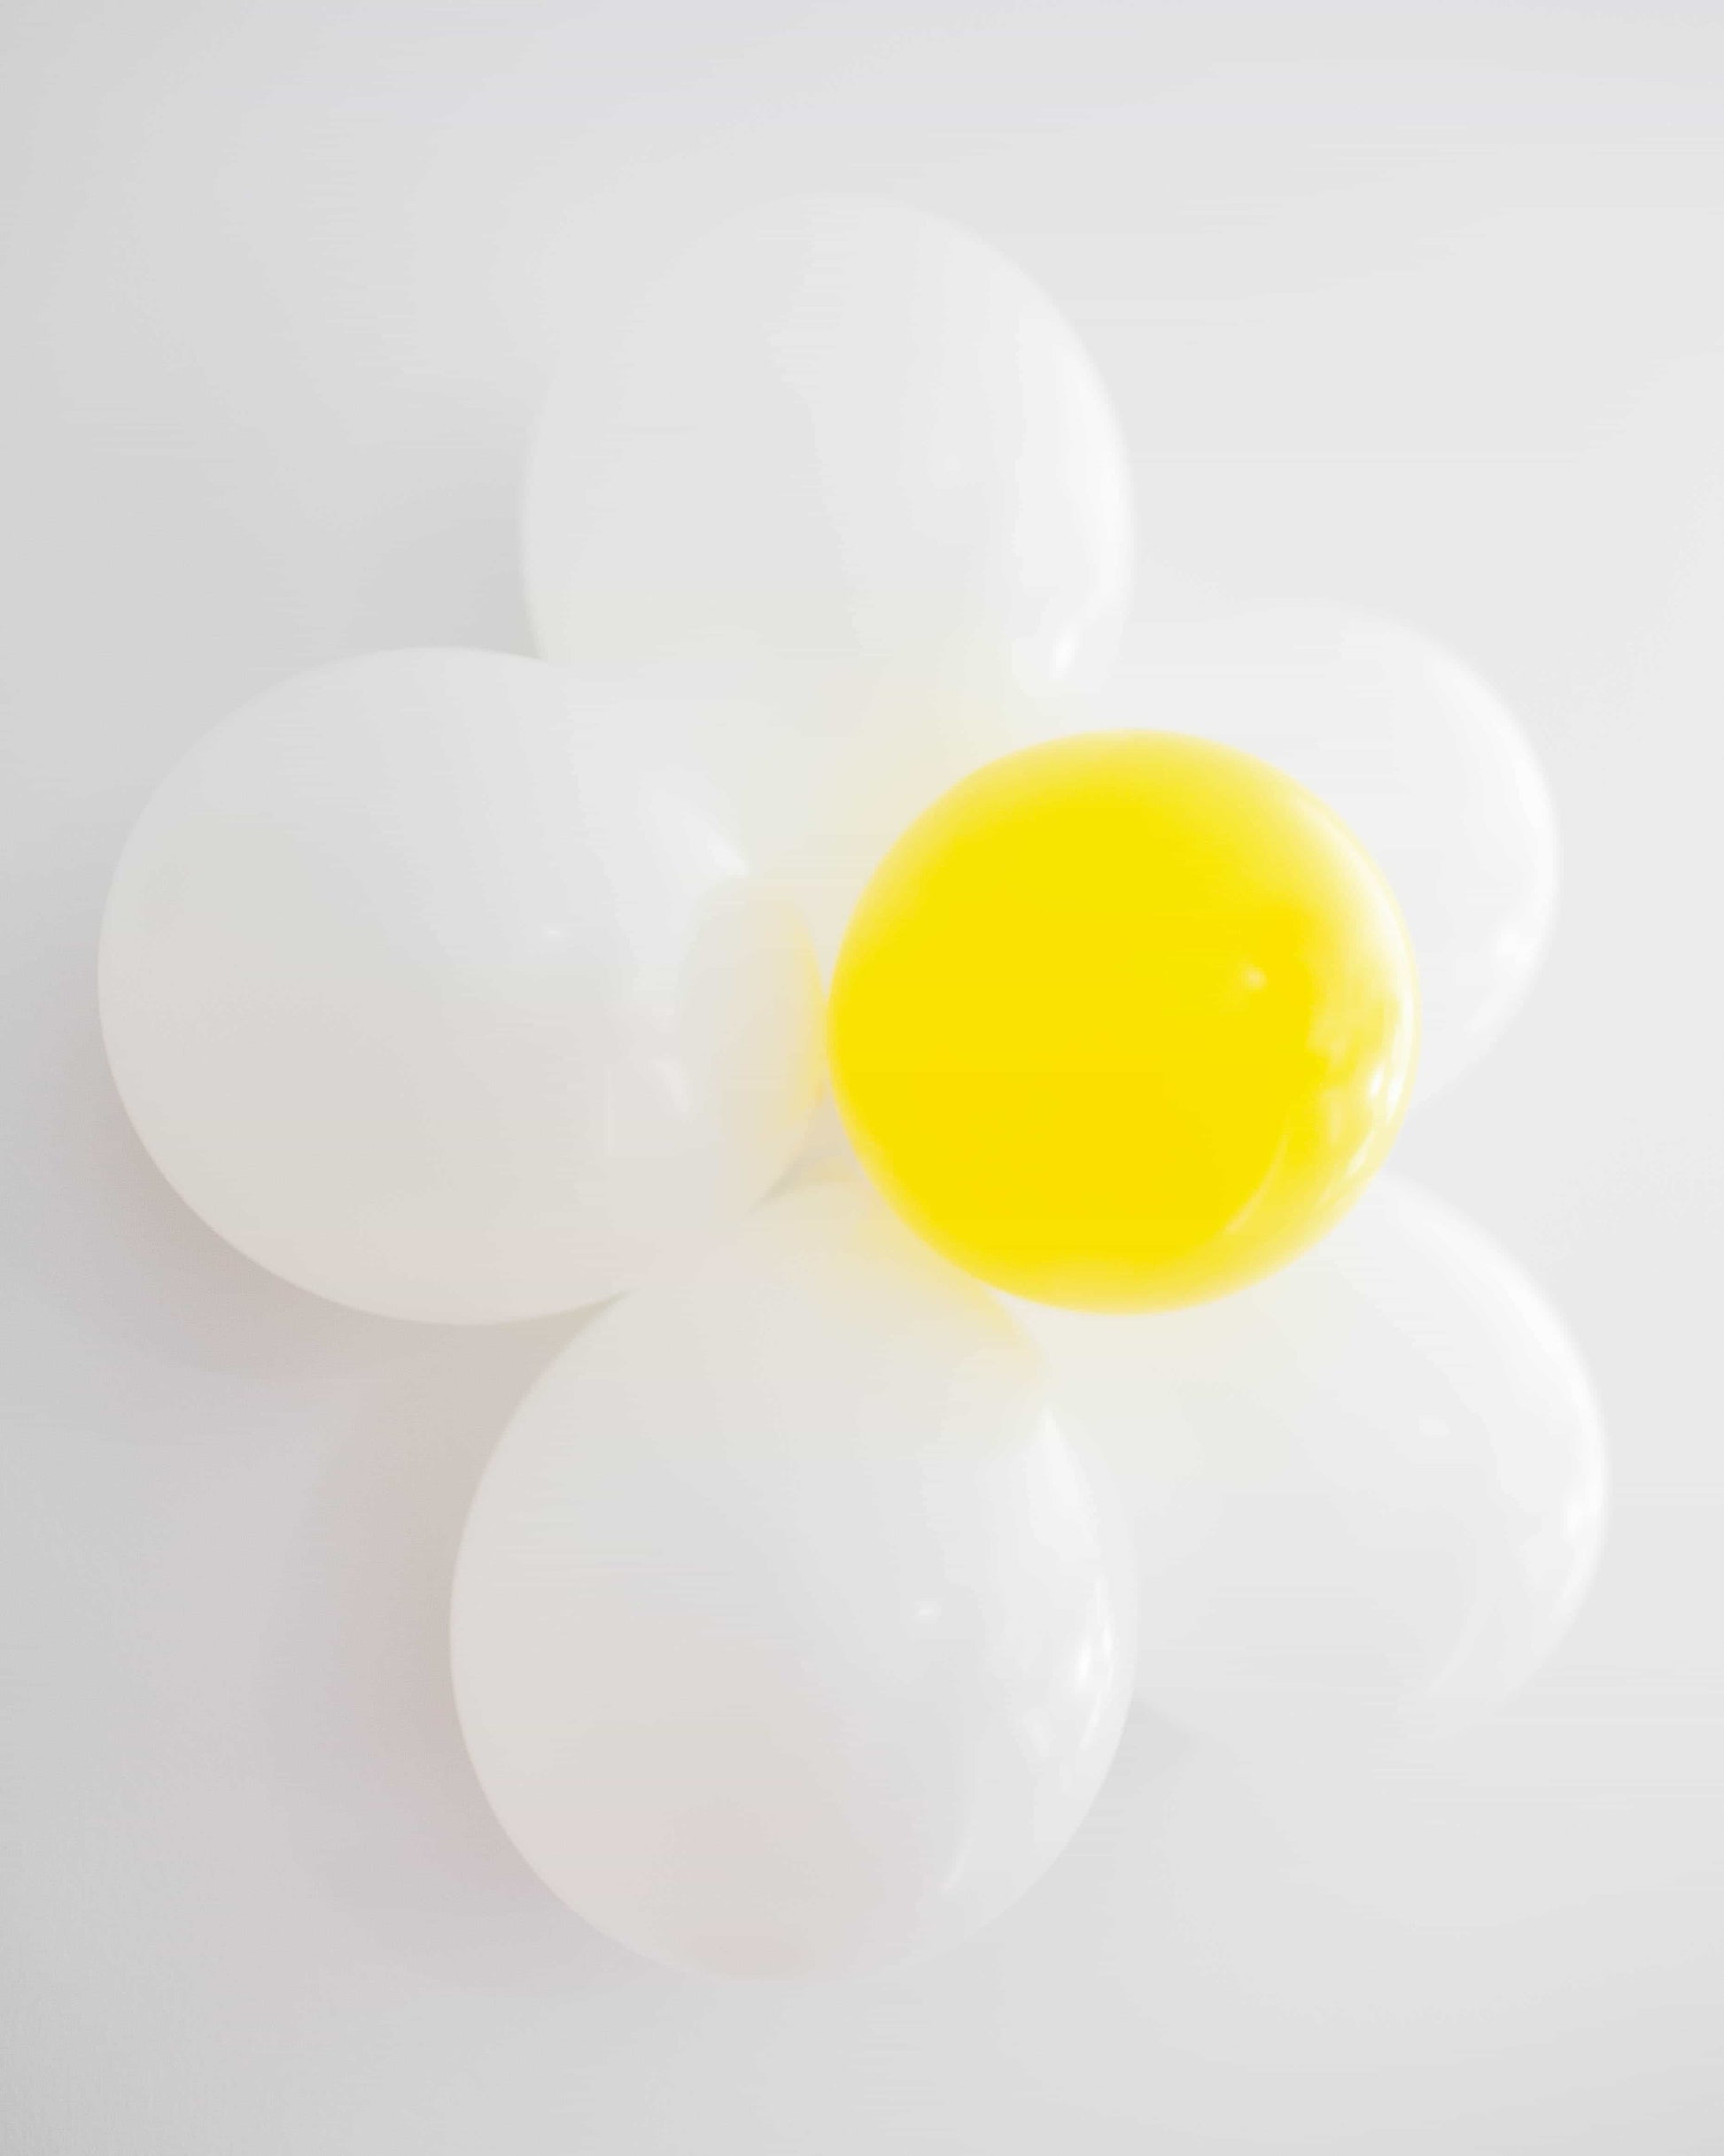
[(1410, 307)]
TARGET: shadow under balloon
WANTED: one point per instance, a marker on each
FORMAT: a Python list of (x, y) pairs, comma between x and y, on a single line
[(372, 1785), (1122, 1835)]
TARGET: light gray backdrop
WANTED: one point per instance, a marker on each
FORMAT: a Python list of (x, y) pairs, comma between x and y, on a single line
[(1414, 307)]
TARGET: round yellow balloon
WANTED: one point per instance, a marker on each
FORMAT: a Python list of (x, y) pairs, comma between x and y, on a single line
[(1124, 1021)]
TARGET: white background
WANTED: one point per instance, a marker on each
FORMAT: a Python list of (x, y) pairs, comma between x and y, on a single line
[(1419, 307)]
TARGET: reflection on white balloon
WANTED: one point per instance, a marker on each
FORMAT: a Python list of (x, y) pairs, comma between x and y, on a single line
[(790, 1633), (1416, 754), (1366, 1493), (430, 992), (850, 461)]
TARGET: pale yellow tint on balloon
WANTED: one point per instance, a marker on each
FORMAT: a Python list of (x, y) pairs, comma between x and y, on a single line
[(1125, 1021)]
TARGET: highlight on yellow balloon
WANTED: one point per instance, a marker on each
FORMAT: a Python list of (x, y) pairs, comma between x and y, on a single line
[(1124, 1021)]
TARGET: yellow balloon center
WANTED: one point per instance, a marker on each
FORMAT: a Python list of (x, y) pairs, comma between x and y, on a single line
[(1124, 1021)]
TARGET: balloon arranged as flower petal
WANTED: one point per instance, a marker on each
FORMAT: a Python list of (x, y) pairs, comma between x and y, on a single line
[(790, 1632), (428, 992), (1367, 1493), (849, 463)]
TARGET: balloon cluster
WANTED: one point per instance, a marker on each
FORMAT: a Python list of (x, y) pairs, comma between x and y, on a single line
[(799, 1607)]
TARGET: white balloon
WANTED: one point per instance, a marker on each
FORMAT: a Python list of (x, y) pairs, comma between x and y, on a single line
[(1367, 1493), (789, 1633), (1424, 763), (850, 461), (431, 994)]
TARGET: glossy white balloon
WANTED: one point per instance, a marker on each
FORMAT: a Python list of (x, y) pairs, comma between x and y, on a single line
[(850, 461), (1367, 1493), (1419, 756), (790, 1633), (429, 993)]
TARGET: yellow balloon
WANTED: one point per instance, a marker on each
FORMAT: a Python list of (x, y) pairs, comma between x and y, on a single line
[(1124, 1021)]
